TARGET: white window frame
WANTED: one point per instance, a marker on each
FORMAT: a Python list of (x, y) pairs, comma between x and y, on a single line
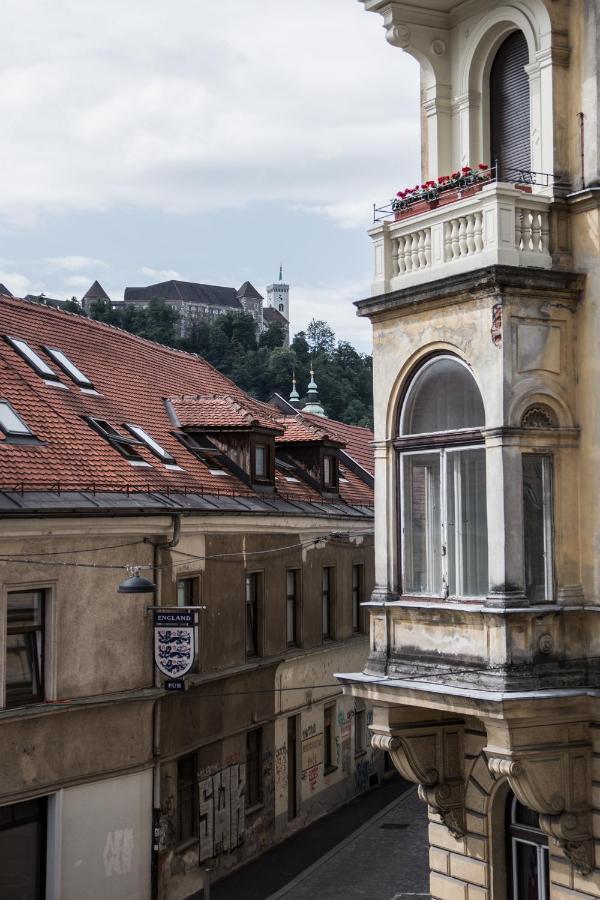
[(543, 858), (411, 388), (63, 362), (548, 516), (442, 452)]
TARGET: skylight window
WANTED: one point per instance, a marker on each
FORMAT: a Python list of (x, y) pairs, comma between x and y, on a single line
[(12, 424), (151, 444), (62, 360), (30, 356), (209, 455), (125, 445)]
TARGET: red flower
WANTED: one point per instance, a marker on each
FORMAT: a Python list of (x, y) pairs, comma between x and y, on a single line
[(483, 166), (455, 175), (466, 169)]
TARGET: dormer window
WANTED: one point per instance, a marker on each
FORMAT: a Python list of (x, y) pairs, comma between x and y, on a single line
[(152, 445), (12, 424), (126, 446), (330, 471), (32, 359), (262, 461), (63, 361)]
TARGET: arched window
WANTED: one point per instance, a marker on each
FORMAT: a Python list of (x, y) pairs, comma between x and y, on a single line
[(527, 845), (443, 493), (509, 108)]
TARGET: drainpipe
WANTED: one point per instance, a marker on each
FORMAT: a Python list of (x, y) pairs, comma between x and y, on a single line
[(581, 117), (156, 573)]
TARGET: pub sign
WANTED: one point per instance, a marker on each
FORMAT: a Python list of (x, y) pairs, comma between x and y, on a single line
[(174, 642)]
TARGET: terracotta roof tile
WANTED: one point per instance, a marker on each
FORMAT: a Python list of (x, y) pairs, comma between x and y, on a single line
[(132, 376)]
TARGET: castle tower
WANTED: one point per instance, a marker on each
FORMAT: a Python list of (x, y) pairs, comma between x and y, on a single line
[(278, 296)]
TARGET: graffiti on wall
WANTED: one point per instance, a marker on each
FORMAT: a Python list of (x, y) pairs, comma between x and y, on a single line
[(118, 852), (222, 811), (281, 773)]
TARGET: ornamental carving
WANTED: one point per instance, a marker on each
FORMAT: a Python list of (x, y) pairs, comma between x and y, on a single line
[(556, 784), (430, 756), (538, 417)]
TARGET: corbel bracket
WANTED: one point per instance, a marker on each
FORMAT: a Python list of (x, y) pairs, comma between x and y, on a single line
[(556, 784), (429, 755)]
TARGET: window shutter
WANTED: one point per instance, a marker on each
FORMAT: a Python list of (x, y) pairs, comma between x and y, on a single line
[(509, 108)]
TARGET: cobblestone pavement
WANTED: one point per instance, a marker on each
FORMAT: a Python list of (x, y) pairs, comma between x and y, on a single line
[(385, 859)]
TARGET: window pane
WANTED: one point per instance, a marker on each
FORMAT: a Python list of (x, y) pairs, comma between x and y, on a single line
[(22, 680), (467, 524), (422, 524), (291, 606), (251, 615), (24, 609), (443, 397), (527, 875), (10, 422), (537, 519), (327, 469), (326, 601), (21, 862), (261, 461)]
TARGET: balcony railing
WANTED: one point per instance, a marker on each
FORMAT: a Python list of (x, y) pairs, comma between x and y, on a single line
[(453, 188), (492, 223)]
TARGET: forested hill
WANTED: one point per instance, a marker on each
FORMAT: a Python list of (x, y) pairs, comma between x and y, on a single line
[(261, 366)]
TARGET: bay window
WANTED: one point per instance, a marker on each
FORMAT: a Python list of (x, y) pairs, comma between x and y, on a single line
[(443, 483)]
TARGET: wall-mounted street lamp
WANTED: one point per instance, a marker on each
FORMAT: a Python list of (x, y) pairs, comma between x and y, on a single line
[(136, 583)]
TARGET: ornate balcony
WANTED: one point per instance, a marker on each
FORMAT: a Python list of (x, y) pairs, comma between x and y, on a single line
[(495, 224)]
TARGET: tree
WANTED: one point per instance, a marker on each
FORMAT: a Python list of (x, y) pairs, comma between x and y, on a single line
[(273, 337), (73, 305), (320, 337)]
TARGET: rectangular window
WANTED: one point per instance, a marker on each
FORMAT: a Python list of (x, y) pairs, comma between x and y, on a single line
[(125, 445), (329, 738), (357, 595), (293, 579), (254, 786), (260, 461), (537, 526), (62, 360), (359, 731), (329, 470), (187, 798), (188, 591), (24, 647), (252, 601), (23, 849), (12, 424), (327, 601), (151, 444), (32, 358), (444, 523)]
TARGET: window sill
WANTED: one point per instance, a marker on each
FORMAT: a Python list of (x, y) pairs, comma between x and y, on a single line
[(327, 770), (250, 810), (185, 845)]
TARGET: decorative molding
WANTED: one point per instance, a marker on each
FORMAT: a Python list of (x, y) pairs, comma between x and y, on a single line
[(397, 35), (430, 755), (539, 416), (556, 783)]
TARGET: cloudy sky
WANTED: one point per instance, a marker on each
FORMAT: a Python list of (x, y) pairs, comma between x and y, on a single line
[(209, 141)]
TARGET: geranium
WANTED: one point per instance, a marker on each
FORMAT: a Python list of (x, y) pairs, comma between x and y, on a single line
[(483, 166), (466, 169)]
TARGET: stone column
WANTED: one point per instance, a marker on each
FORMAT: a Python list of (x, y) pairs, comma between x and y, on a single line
[(504, 486)]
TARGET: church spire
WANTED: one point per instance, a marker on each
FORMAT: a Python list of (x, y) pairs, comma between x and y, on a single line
[(313, 404), (281, 272), (294, 395)]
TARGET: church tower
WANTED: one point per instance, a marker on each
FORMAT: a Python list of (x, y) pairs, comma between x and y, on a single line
[(278, 296)]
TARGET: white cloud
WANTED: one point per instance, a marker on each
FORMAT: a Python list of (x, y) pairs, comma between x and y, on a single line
[(333, 303), (158, 275), (17, 283), (73, 263), (188, 107)]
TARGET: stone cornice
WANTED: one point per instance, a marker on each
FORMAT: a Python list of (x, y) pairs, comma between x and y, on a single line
[(470, 286), (584, 200)]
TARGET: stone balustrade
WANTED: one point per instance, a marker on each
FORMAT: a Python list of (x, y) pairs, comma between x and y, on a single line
[(500, 224)]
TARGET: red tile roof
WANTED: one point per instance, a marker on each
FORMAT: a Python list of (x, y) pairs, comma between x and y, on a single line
[(132, 376), (222, 411)]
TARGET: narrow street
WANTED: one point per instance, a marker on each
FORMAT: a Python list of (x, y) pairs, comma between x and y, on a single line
[(374, 848)]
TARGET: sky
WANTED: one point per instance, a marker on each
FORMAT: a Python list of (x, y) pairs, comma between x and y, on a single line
[(208, 141)]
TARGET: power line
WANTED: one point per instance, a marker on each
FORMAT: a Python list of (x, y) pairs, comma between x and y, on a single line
[(18, 558)]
